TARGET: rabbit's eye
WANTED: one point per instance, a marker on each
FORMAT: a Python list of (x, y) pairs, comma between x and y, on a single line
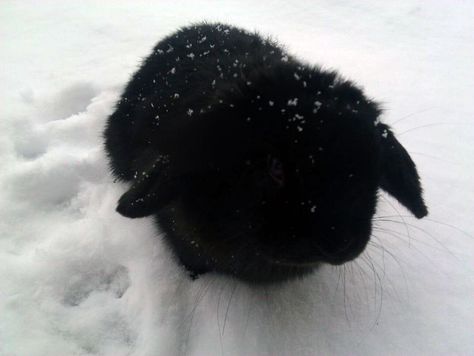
[(275, 169)]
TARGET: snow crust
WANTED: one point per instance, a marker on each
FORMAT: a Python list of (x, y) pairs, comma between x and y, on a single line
[(76, 278)]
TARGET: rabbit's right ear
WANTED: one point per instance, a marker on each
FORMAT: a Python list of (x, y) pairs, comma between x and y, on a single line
[(148, 194), (399, 176)]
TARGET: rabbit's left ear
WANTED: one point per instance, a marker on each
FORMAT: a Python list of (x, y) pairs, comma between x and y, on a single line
[(399, 176), (148, 194)]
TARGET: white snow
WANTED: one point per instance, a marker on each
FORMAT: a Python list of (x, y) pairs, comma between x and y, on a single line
[(292, 102), (76, 278)]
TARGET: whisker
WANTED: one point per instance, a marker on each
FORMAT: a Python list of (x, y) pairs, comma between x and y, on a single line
[(403, 118), (218, 319), (399, 235), (228, 306), (426, 233), (377, 278), (401, 217), (394, 258), (202, 292), (363, 277), (451, 226), (344, 291), (427, 125), (464, 232), (430, 156)]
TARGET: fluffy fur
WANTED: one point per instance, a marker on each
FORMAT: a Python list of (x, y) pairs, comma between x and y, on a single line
[(252, 162)]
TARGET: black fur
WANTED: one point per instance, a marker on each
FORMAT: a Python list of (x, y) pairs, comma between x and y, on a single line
[(252, 162)]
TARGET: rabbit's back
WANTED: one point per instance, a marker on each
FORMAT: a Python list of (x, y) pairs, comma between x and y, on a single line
[(178, 81)]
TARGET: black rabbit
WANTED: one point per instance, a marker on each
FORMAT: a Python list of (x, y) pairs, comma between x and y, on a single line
[(253, 163)]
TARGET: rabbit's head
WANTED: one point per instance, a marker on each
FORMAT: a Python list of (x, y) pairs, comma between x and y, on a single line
[(272, 179)]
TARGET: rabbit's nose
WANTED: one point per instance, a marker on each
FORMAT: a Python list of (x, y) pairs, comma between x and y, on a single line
[(342, 249), (334, 247)]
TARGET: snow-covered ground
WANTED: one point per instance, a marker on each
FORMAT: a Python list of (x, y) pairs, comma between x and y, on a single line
[(78, 279)]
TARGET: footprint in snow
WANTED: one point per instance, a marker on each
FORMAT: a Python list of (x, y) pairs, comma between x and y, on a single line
[(114, 280)]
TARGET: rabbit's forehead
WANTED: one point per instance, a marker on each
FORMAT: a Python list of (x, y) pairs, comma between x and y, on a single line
[(340, 139)]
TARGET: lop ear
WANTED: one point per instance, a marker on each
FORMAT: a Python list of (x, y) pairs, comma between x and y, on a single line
[(148, 194), (399, 176)]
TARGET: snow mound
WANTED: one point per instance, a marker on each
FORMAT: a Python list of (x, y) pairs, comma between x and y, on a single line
[(76, 278)]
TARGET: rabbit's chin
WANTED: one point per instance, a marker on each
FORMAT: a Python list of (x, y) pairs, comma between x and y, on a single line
[(195, 251), (319, 257)]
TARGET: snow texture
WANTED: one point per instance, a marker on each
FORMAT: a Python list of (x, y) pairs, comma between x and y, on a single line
[(76, 278)]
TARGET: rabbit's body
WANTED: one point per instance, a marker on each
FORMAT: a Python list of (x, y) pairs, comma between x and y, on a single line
[(253, 163)]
